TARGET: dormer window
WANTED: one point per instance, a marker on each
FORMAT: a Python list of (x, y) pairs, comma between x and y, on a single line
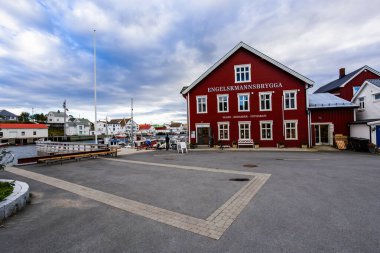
[(242, 73)]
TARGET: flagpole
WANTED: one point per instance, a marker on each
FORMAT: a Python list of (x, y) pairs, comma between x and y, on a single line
[(96, 118)]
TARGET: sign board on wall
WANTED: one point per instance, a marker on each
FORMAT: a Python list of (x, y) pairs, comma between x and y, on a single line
[(244, 87), (192, 135)]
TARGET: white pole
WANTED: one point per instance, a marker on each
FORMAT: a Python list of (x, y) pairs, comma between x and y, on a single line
[(133, 139), (96, 119)]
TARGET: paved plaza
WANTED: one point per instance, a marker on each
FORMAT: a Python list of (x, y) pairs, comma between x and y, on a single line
[(168, 202)]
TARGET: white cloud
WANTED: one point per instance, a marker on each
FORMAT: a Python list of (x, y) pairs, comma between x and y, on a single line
[(149, 50)]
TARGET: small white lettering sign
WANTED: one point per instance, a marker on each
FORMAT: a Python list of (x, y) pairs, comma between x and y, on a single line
[(243, 87)]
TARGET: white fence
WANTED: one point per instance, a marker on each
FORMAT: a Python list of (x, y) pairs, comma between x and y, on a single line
[(67, 147)]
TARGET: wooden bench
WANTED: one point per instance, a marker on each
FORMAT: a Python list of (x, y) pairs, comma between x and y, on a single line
[(76, 157), (245, 142)]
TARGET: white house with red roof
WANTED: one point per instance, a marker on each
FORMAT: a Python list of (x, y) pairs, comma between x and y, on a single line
[(22, 133)]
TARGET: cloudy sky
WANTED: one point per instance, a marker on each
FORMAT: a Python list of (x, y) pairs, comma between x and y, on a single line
[(148, 50)]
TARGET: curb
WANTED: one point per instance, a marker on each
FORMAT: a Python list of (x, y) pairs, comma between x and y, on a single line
[(16, 201), (253, 150)]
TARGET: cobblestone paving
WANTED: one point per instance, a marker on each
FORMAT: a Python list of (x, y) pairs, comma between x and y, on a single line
[(213, 227)]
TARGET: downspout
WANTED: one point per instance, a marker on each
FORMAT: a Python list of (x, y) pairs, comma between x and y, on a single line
[(370, 133), (308, 112), (283, 116)]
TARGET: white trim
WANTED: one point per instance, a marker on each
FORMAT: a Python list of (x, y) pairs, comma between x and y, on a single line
[(228, 129), (188, 116), (217, 102), (359, 72), (201, 96), (202, 124), (243, 66), (254, 51), (376, 100), (270, 100), (249, 128), (295, 99), (249, 107), (271, 130), (330, 136), (199, 125), (296, 128), (360, 109), (362, 88)]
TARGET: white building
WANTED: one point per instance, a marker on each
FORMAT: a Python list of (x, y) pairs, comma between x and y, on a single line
[(122, 126), (367, 122), (22, 133), (7, 116), (57, 117), (175, 127), (103, 127), (78, 127)]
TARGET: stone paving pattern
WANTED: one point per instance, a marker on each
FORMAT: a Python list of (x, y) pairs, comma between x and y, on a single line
[(213, 227)]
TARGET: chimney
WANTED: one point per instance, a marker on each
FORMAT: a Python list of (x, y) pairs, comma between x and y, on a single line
[(342, 72)]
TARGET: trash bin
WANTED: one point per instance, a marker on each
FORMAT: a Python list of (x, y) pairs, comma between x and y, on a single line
[(359, 144)]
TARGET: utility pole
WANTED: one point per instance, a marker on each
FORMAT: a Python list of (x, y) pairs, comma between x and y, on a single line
[(96, 118)]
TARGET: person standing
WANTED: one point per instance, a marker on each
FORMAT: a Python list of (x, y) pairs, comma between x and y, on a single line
[(167, 139)]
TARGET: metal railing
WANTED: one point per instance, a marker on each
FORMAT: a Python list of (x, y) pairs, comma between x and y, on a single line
[(67, 147)]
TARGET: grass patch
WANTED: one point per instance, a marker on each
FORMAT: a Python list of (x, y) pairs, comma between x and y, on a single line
[(6, 189)]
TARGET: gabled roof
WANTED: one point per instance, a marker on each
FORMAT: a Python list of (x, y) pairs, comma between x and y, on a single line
[(341, 82), (175, 124), (328, 100), (22, 126), (58, 114), (254, 51), (6, 113), (145, 126), (83, 122), (118, 121), (374, 82)]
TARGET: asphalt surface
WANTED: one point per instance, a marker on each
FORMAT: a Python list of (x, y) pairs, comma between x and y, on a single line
[(313, 202)]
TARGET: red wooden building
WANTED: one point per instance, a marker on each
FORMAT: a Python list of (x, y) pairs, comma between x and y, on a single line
[(330, 115), (348, 84), (247, 95)]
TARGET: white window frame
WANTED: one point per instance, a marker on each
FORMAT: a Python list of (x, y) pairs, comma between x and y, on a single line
[(236, 67), (357, 89), (197, 97), (361, 101), (270, 100), (249, 128), (376, 99), (271, 130), (295, 99), (228, 106), (243, 94), (228, 130), (296, 129)]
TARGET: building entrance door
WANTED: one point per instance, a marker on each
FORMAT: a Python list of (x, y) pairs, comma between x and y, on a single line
[(321, 134), (203, 135), (378, 136)]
